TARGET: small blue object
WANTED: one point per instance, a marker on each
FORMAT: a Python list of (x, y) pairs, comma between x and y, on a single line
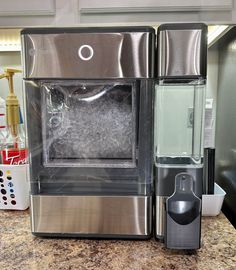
[(21, 118), (10, 184)]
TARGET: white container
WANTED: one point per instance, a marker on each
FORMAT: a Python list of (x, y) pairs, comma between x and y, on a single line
[(14, 187), (212, 203)]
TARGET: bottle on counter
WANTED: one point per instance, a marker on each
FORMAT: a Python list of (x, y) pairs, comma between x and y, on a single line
[(14, 151), (2, 141), (2, 113), (2, 125)]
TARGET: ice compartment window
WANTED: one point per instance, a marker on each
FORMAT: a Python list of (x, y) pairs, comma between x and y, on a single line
[(89, 124)]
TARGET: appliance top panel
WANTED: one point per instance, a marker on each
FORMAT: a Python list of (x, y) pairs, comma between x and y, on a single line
[(182, 50), (88, 53)]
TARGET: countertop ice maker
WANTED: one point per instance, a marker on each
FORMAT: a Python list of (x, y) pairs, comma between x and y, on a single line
[(178, 132), (88, 96)]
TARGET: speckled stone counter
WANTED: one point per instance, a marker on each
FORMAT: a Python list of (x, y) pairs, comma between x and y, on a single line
[(19, 249)]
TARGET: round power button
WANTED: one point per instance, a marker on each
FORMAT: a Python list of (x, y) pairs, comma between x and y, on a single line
[(85, 52)]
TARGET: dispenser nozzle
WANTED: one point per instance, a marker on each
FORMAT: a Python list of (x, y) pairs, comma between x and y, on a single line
[(9, 73), (12, 104)]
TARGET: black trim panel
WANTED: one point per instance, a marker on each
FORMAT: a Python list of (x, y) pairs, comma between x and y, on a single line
[(121, 29)]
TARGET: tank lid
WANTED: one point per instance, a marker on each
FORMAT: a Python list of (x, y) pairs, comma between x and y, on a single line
[(182, 51)]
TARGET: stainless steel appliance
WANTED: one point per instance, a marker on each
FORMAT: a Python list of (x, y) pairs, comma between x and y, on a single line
[(179, 114), (88, 94)]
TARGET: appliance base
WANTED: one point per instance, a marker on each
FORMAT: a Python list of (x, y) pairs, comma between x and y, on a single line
[(117, 217)]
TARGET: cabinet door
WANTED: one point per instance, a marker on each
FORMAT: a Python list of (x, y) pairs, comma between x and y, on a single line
[(27, 7), (17, 13), (155, 10)]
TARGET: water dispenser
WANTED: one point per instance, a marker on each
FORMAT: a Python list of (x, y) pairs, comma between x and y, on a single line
[(179, 111)]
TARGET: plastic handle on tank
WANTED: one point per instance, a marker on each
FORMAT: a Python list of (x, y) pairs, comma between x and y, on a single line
[(183, 206)]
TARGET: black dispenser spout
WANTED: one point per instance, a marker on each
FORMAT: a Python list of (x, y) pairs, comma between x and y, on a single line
[(183, 215)]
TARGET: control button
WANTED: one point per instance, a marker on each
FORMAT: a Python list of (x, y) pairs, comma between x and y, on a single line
[(11, 190), (10, 184), (4, 198), (9, 177), (5, 203), (85, 52), (12, 196), (1, 180), (1, 173), (2, 185), (13, 202), (3, 191), (8, 172)]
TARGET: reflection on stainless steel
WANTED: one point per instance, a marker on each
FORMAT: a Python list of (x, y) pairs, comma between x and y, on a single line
[(160, 216), (178, 58), (94, 215), (115, 55)]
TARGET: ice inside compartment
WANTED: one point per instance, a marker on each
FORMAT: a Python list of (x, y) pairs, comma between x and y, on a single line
[(89, 123)]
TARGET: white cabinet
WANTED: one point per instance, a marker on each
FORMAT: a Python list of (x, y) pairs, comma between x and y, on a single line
[(116, 6), (27, 8), (155, 10), (21, 13)]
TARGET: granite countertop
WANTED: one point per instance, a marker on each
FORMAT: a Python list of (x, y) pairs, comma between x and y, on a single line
[(19, 249)]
